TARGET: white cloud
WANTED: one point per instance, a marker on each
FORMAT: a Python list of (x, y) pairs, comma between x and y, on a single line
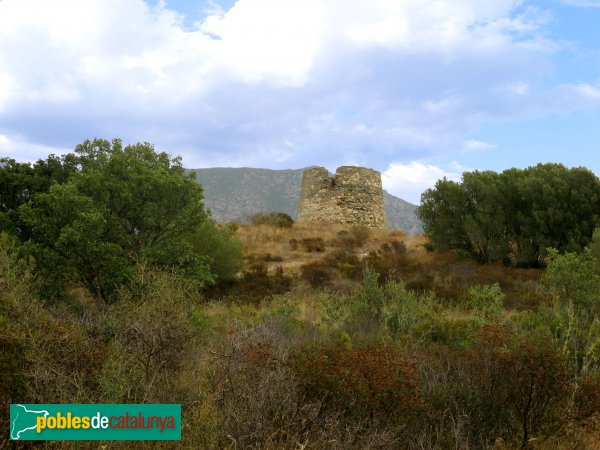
[(275, 39), (587, 91), (371, 81), (408, 181), (24, 151), (474, 145)]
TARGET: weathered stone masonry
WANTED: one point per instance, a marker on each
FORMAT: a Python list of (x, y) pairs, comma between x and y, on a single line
[(353, 195)]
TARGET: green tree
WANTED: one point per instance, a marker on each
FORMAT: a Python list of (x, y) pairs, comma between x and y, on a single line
[(147, 199), (513, 216), (125, 206), (68, 241), (442, 211), (20, 182), (559, 211), (485, 217)]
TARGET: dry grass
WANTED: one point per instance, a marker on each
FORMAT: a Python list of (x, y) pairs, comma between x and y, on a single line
[(260, 240), (448, 274)]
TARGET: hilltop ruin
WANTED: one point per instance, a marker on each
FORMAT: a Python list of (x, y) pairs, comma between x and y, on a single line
[(352, 196)]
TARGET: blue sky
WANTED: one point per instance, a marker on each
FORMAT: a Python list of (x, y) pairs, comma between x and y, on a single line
[(416, 89)]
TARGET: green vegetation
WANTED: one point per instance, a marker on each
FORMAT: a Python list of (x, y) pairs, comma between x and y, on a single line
[(329, 338), (95, 216), (514, 216), (278, 219)]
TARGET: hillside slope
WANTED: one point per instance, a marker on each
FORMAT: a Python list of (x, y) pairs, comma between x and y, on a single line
[(233, 193)]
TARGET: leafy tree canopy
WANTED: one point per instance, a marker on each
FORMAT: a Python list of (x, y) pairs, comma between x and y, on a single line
[(513, 216), (114, 208)]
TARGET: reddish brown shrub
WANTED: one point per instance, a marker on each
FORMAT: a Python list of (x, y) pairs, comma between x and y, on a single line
[(587, 396), (372, 381), (255, 392), (521, 384)]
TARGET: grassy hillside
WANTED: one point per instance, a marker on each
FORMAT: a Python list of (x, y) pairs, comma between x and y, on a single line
[(234, 193)]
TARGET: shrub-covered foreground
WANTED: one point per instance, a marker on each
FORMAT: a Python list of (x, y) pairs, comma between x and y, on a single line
[(330, 338), (381, 367)]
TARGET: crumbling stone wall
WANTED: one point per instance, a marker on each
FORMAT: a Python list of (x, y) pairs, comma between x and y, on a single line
[(353, 195)]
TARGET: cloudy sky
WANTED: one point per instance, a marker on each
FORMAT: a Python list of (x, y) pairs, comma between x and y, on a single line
[(418, 89)]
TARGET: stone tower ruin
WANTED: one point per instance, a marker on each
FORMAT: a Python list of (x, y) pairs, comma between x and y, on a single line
[(352, 196)]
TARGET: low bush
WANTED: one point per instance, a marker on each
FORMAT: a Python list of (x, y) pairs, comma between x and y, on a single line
[(276, 219), (355, 237), (312, 244), (347, 264), (360, 234), (486, 300), (317, 273), (436, 327), (373, 382), (257, 283), (222, 249), (253, 390), (389, 261)]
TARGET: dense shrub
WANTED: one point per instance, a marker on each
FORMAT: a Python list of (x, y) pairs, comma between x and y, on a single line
[(317, 273), (276, 219), (254, 391), (257, 282), (346, 263), (516, 386), (145, 354), (486, 300), (376, 382), (587, 396), (221, 248), (573, 316), (437, 327), (573, 278), (360, 234), (264, 257)]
